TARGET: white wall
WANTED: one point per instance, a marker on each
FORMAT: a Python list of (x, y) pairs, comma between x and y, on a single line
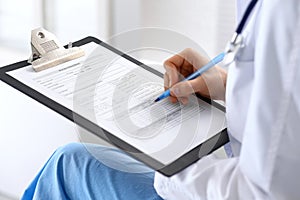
[(74, 19), (209, 23), (16, 18), (68, 19)]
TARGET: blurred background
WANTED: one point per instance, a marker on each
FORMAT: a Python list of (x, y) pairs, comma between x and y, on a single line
[(30, 132)]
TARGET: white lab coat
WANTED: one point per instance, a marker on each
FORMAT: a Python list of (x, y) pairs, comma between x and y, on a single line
[(263, 117)]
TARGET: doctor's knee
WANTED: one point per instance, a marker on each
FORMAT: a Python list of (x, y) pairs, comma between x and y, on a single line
[(70, 150)]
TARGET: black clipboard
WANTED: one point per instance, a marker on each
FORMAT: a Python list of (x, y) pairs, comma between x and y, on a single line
[(176, 166)]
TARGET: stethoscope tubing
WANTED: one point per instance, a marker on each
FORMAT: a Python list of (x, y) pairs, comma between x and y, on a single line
[(246, 16)]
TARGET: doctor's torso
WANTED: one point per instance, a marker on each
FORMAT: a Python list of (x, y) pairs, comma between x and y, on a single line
[(262, 112), (240, 79)]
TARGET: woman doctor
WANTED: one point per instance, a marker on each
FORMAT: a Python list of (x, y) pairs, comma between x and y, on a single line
[(263, 117)]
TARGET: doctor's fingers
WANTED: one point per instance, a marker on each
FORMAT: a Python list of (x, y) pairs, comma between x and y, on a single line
[(193, 58), (171, 74), (167, 85), (179, 60), (184, 63), (177, 67), (183, 100), (166, 81), (186, 88)]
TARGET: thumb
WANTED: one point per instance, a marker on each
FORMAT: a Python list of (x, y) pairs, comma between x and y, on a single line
[(185, 88)]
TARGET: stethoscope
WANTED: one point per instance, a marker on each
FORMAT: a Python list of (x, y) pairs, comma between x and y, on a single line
[(236, 43)]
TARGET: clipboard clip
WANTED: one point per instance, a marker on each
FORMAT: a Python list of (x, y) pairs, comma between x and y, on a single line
[(47, 52)]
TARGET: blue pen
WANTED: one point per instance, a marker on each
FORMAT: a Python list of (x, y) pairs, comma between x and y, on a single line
[(197, 73)]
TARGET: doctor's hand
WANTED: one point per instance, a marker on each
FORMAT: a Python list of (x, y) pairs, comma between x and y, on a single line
[(211, 84)]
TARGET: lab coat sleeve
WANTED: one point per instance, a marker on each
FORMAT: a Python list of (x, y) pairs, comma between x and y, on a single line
[(268, 165)]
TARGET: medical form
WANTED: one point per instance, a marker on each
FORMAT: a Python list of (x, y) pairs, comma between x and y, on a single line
[(118, 95)]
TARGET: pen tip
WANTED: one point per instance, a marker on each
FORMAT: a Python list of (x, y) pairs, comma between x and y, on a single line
[(156, 100)]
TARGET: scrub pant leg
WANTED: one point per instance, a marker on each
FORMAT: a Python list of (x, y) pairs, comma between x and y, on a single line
[(86, 171)]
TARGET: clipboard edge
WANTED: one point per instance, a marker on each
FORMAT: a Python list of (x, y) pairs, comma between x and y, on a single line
[(168, 170)]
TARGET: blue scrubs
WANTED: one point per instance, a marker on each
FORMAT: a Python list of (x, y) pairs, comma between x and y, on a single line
[(86, 171)]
